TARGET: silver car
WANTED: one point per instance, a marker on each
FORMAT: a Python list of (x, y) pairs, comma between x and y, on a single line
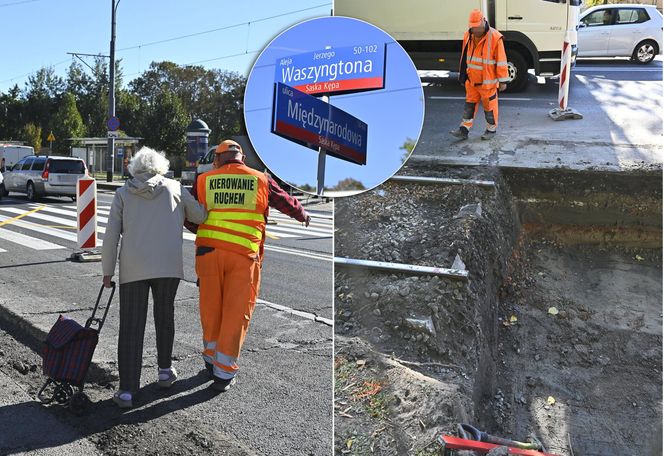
[(38, 176), (621, 31)]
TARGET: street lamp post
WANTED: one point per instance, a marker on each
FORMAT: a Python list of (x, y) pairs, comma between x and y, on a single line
[(110, 152)]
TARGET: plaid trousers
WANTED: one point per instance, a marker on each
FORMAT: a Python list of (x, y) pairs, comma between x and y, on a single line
[(133, 316)]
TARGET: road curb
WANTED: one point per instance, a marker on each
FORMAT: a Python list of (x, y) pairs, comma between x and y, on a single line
[(33, 337)]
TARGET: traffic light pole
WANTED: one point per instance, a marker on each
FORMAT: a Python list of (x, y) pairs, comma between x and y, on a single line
[(110, 150)]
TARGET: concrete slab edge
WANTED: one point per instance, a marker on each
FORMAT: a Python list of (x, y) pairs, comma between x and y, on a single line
[(30, 335), (428, 160)]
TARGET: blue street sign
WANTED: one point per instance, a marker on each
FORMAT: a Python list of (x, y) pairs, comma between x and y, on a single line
[(308, 120), (346, 69), (113, 123)]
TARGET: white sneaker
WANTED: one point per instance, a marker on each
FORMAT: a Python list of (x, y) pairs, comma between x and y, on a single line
[(123, 399), (167, 377)]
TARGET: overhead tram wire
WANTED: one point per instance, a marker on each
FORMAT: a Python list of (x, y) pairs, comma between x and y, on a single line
[(2, 5), (218, 29), (33, 71), (152, 43)]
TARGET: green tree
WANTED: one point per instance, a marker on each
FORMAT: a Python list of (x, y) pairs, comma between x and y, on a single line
[(67, 123), (32, 135), (348, 184), (43, 93), (164, 125), (407, 146), (212, 95), (12, 106)]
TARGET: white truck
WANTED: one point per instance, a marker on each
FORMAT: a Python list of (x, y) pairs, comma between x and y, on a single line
[(10, 154), (431, 31)]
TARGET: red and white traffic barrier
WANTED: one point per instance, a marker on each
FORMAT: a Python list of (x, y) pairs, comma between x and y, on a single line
[(562, 112), (86, 212), (565, 64)]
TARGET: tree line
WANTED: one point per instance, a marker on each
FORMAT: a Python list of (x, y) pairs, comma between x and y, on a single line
[(156, 106)]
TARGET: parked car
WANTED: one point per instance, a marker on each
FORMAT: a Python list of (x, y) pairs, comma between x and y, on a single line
[(621, 31), (38, 176)]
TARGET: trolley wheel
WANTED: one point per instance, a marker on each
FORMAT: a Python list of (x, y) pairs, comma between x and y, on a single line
[(79, 402), (63, 392)]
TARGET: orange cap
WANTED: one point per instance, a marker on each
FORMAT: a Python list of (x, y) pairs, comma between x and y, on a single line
[(228, 146), (475, 19)]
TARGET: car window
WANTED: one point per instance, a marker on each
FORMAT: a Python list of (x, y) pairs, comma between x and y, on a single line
[(38, 164), (27, 164), (66, 167), (17, 166), (631, 16), (209, 158), (598, 18)]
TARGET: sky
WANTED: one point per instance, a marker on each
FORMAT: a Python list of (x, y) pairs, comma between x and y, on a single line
[(394, 114), (38, 33)]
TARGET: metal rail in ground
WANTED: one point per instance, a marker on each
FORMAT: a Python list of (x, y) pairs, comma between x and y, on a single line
[(457, 274), (443, 181)]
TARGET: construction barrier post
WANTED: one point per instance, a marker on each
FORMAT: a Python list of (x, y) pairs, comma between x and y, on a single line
[(86, 218), (562, 112)]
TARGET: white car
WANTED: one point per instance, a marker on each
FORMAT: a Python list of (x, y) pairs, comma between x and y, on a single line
[(621, 31)]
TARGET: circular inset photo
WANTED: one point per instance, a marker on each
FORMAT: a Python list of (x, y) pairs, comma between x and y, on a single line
[(334, 106)]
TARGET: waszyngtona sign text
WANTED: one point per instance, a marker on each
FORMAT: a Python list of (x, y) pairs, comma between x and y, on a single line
[(347, 69)]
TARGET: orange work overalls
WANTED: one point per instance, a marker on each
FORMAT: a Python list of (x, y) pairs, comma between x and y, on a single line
[(229, 248), (486, 67)]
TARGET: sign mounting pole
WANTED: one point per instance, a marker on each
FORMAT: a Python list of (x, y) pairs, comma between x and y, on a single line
[(321, 162)]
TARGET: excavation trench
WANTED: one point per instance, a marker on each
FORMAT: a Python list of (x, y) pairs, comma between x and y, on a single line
[(558, 332)]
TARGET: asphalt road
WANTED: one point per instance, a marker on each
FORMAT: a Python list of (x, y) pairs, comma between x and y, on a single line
[(281, 403), (621, 103)]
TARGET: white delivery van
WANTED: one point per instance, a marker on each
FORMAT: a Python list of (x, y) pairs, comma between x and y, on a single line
[(431, 31), (12, 154)]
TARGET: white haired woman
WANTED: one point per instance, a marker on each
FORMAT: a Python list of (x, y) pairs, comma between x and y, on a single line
[(148, 214)]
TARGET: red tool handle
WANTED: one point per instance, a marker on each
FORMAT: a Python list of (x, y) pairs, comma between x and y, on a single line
[(456, 443)]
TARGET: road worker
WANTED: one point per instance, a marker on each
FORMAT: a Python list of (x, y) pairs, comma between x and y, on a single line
[(229, 253), (483, 71)]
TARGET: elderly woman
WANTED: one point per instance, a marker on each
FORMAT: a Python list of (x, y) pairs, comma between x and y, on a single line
[(147, 213)]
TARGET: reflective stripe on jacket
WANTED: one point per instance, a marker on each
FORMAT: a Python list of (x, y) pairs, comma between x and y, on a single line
[(236, 198), (486, 62)]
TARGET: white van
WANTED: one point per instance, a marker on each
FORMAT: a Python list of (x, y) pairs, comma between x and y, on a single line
[(431, 31), (11, 154)]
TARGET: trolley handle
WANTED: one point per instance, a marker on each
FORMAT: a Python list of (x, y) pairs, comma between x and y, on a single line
[(99, 322)]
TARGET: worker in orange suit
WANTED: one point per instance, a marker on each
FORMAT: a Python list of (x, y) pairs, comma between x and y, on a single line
[(229, 253), (483, 71)]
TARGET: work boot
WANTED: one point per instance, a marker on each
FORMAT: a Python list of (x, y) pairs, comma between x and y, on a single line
[(210, 369), (460, 133), (222, 384), (488, 134)]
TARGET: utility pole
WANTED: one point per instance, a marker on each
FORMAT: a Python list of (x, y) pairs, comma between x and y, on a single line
[(110, 152)]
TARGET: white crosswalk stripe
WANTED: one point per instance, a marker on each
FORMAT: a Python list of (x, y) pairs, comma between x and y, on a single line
[(27, 241), (59, 221)]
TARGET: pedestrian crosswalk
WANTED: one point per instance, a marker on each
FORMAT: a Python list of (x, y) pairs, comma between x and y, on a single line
[(45, 227)]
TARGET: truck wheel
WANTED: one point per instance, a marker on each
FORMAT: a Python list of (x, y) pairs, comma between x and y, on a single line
[(645, 52), (31, 192), (517, 69)]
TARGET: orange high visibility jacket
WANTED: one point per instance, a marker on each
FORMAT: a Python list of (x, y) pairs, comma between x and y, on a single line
[(236, 198), (486, 62)]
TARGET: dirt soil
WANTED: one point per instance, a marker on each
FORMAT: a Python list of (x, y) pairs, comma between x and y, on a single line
[(417, 354), (103, 427), (582, 367)]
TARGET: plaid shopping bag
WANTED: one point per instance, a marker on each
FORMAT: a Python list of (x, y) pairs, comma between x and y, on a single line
[(68, 350)]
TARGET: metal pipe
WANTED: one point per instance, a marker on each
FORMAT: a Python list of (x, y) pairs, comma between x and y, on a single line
[(443, 181), (457, 274)]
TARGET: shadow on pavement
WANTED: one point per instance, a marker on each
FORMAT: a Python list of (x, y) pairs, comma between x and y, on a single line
[(98, 417)]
